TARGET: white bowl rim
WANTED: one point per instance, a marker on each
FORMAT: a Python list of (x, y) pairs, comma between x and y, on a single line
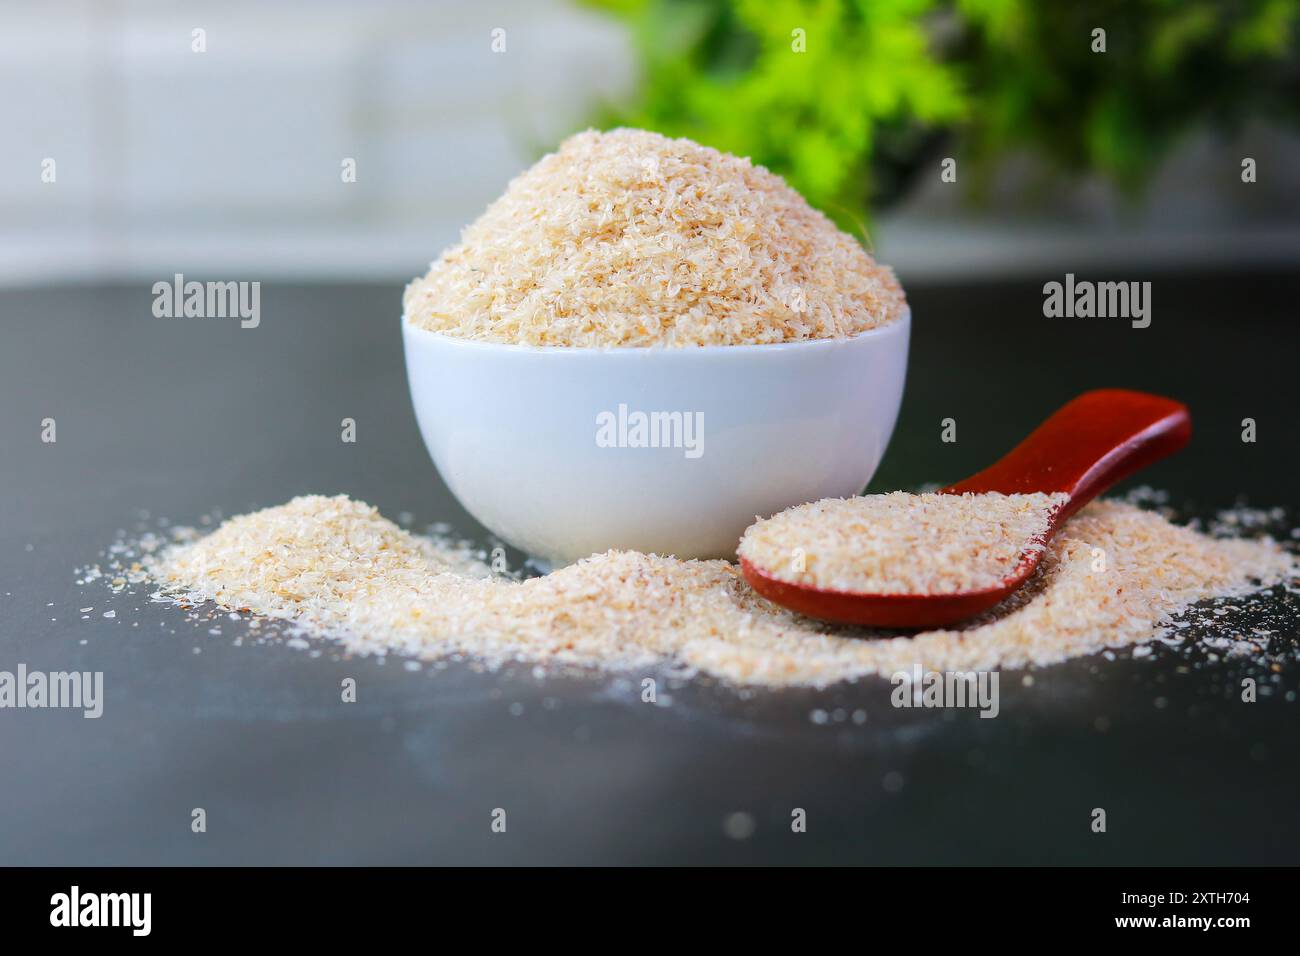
[(879, 331)]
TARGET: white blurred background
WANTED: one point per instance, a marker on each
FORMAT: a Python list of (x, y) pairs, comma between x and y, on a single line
[(229, 161)]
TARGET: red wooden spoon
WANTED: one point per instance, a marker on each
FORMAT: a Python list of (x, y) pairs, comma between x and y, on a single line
[(1091, 443)]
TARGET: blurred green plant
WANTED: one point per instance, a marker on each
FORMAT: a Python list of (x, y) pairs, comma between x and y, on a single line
[(851, 99)]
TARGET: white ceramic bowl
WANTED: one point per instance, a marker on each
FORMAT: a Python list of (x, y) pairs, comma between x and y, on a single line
[(533, 444)]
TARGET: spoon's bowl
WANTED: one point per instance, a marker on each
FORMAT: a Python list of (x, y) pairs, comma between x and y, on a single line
[(912, 611)]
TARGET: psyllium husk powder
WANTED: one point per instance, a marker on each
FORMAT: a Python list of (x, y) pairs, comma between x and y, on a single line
[(337, 570), (901, 543), (632, 239)]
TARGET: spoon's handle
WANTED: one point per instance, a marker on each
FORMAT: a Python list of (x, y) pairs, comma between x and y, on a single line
[(1088, 445)]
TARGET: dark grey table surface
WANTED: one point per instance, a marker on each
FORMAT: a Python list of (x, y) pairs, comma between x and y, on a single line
[(181, 416)]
